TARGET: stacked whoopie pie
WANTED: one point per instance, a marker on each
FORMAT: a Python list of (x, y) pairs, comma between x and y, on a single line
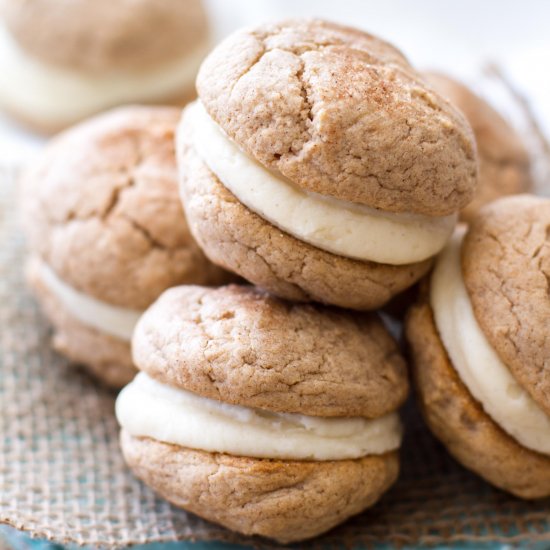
[(320, 166)]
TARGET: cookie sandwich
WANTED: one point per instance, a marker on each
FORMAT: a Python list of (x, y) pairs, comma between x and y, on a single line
[(481, 349), (504, 163), (107, 234), (267, 417), (64, 61), (319, 165)]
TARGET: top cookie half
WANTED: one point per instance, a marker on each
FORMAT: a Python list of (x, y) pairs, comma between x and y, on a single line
[(98, 36), (339, 112)]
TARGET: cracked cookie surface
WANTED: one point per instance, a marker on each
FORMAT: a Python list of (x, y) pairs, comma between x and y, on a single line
[(102, 35), (101, 208), (506, 268), (460, 422), (341, 113), (242, 346), (504, 164), (283, 500), (237, 239)]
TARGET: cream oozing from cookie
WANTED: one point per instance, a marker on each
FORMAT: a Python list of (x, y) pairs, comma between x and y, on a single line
[(148, 408), (476, 362), (115, 321), (52, 95), (340, 227)]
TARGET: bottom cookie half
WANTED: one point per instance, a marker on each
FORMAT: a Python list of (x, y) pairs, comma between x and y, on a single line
[(284, 500)]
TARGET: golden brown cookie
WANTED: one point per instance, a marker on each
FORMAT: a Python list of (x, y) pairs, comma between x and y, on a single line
[(101, 212), (311, 145), (268, 417), (504, 164), (83, 57)]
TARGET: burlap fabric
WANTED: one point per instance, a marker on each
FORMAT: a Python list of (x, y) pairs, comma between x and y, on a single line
[(62, 476)]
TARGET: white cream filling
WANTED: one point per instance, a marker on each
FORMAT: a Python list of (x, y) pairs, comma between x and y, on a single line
[(147, 408), (477, 363), (341, 227), (116, 321), (54, 95)]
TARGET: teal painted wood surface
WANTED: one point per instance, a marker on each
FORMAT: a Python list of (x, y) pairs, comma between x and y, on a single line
[(20, 541)]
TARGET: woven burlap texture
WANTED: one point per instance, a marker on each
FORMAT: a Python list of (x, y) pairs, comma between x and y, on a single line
[(62, 476)]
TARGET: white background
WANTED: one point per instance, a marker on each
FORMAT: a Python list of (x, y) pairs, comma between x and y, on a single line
[(460, 37)]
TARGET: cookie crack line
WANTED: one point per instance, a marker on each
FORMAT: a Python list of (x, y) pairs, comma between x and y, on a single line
[(131, 180), (545, 243), (115, 197), (307, 103), (154, 243), (252, 64), (110, 211)]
